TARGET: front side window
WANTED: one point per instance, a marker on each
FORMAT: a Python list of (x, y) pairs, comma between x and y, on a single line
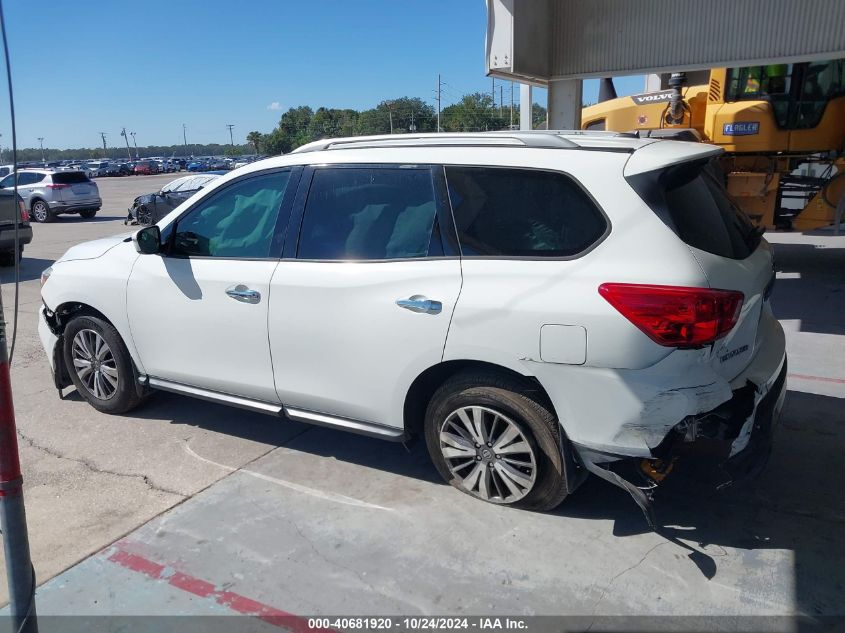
[(503, 212), (368, 214), (237, 221)]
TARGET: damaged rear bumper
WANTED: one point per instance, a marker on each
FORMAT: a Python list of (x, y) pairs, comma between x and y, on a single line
[(713, 449)]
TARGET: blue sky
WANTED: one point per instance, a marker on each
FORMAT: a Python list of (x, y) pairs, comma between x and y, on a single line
[(90, 66)]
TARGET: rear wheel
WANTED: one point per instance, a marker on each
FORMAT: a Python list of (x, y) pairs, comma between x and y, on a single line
[(88, 213), (99, 365), (492, 437), (41, 212)]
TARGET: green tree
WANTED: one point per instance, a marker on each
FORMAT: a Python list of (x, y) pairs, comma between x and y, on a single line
[(254, 139), (473, 113)]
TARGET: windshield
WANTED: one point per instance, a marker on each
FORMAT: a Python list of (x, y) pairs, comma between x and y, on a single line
[(799, 93)]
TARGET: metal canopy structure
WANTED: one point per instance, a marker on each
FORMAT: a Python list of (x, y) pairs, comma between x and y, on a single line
[(538, 41), (556, 43)]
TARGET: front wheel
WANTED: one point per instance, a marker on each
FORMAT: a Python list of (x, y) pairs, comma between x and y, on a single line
[(491, 437), (99, 365), (41, 212)]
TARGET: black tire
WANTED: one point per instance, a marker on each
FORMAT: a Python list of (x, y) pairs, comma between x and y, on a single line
[(125, 396), (88, 213), (41, 211), (143, 215), (520, 402)]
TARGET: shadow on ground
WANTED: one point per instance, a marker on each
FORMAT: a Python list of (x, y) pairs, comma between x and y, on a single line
[(31, 268), (74, 219), (812, 289), (797, 504)]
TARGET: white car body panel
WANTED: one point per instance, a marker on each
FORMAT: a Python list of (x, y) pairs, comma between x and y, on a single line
[(328, 337), (340, 343), (188, 330), (98, 282)]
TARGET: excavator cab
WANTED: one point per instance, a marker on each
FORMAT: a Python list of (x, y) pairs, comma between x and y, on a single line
[(798, 93)]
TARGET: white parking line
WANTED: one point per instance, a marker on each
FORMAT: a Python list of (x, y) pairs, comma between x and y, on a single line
[(328, 496)]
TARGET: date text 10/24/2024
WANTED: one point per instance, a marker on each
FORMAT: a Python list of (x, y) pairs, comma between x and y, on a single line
[(417, 623)]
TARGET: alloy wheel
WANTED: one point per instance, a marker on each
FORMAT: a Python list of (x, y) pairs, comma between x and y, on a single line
[(40, 211), (95, 364), (488, 454)]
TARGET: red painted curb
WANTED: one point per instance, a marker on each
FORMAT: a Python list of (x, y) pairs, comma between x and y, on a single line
[(836, 381), (203, 589)]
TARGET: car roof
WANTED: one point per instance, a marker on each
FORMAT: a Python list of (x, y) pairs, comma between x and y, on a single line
[(639, 155)]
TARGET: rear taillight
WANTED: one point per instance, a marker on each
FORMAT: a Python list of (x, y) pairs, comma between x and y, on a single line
[(24, 212), (57, 185), (676, 316)]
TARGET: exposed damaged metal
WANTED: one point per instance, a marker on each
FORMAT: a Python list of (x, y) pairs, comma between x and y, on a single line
[(714, 449)]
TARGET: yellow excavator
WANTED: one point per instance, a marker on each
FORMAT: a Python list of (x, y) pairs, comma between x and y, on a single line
[(782, 127)]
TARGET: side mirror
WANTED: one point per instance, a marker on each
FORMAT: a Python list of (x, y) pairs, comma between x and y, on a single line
[(148, 240)]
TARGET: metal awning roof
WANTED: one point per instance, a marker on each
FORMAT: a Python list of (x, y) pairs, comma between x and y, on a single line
[(536, 41)]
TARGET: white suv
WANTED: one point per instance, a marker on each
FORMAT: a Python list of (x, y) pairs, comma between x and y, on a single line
[(536, 305)]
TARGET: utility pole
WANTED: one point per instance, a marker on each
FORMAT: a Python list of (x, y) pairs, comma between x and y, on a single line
[(439, 83), (231, 138), (185, 138), (41, 143), (20, 575), (19, 572), (413, 127), (389, 105), (105, 149), (126, 138), (132, 134), (501, 99)]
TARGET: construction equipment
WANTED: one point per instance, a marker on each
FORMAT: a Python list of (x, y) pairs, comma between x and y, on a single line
[(782, 127)]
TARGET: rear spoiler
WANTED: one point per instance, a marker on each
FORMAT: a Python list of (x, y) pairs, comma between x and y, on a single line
[(662, 154)]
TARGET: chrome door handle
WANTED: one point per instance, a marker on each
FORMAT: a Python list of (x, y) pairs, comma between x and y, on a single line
[(419, 303), (244, 294)]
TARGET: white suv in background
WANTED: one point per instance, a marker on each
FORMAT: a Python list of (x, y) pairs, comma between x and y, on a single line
[(536, 305), (47, 193)]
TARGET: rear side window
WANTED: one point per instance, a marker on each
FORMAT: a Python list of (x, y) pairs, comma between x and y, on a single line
[(691, 199), (368, 214), (69, 177), (521, 213)]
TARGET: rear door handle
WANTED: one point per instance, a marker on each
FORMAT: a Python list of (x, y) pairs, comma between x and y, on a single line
[(243, 294), (419, 303)]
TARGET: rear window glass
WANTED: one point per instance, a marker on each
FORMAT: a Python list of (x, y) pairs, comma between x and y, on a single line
[(69, 177), (521, 213), (368, 214), (702, 214)]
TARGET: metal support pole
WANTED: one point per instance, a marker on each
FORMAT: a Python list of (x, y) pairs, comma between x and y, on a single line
[(526, 104), (565, 104), (19, 572)]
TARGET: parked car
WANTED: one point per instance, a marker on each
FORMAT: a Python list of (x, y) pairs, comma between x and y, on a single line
[(197, 165), (11, 211), (5, 170), (97, 168), (146, 167), (537, 306), (113, 169), (152, 207), (48, 193)]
